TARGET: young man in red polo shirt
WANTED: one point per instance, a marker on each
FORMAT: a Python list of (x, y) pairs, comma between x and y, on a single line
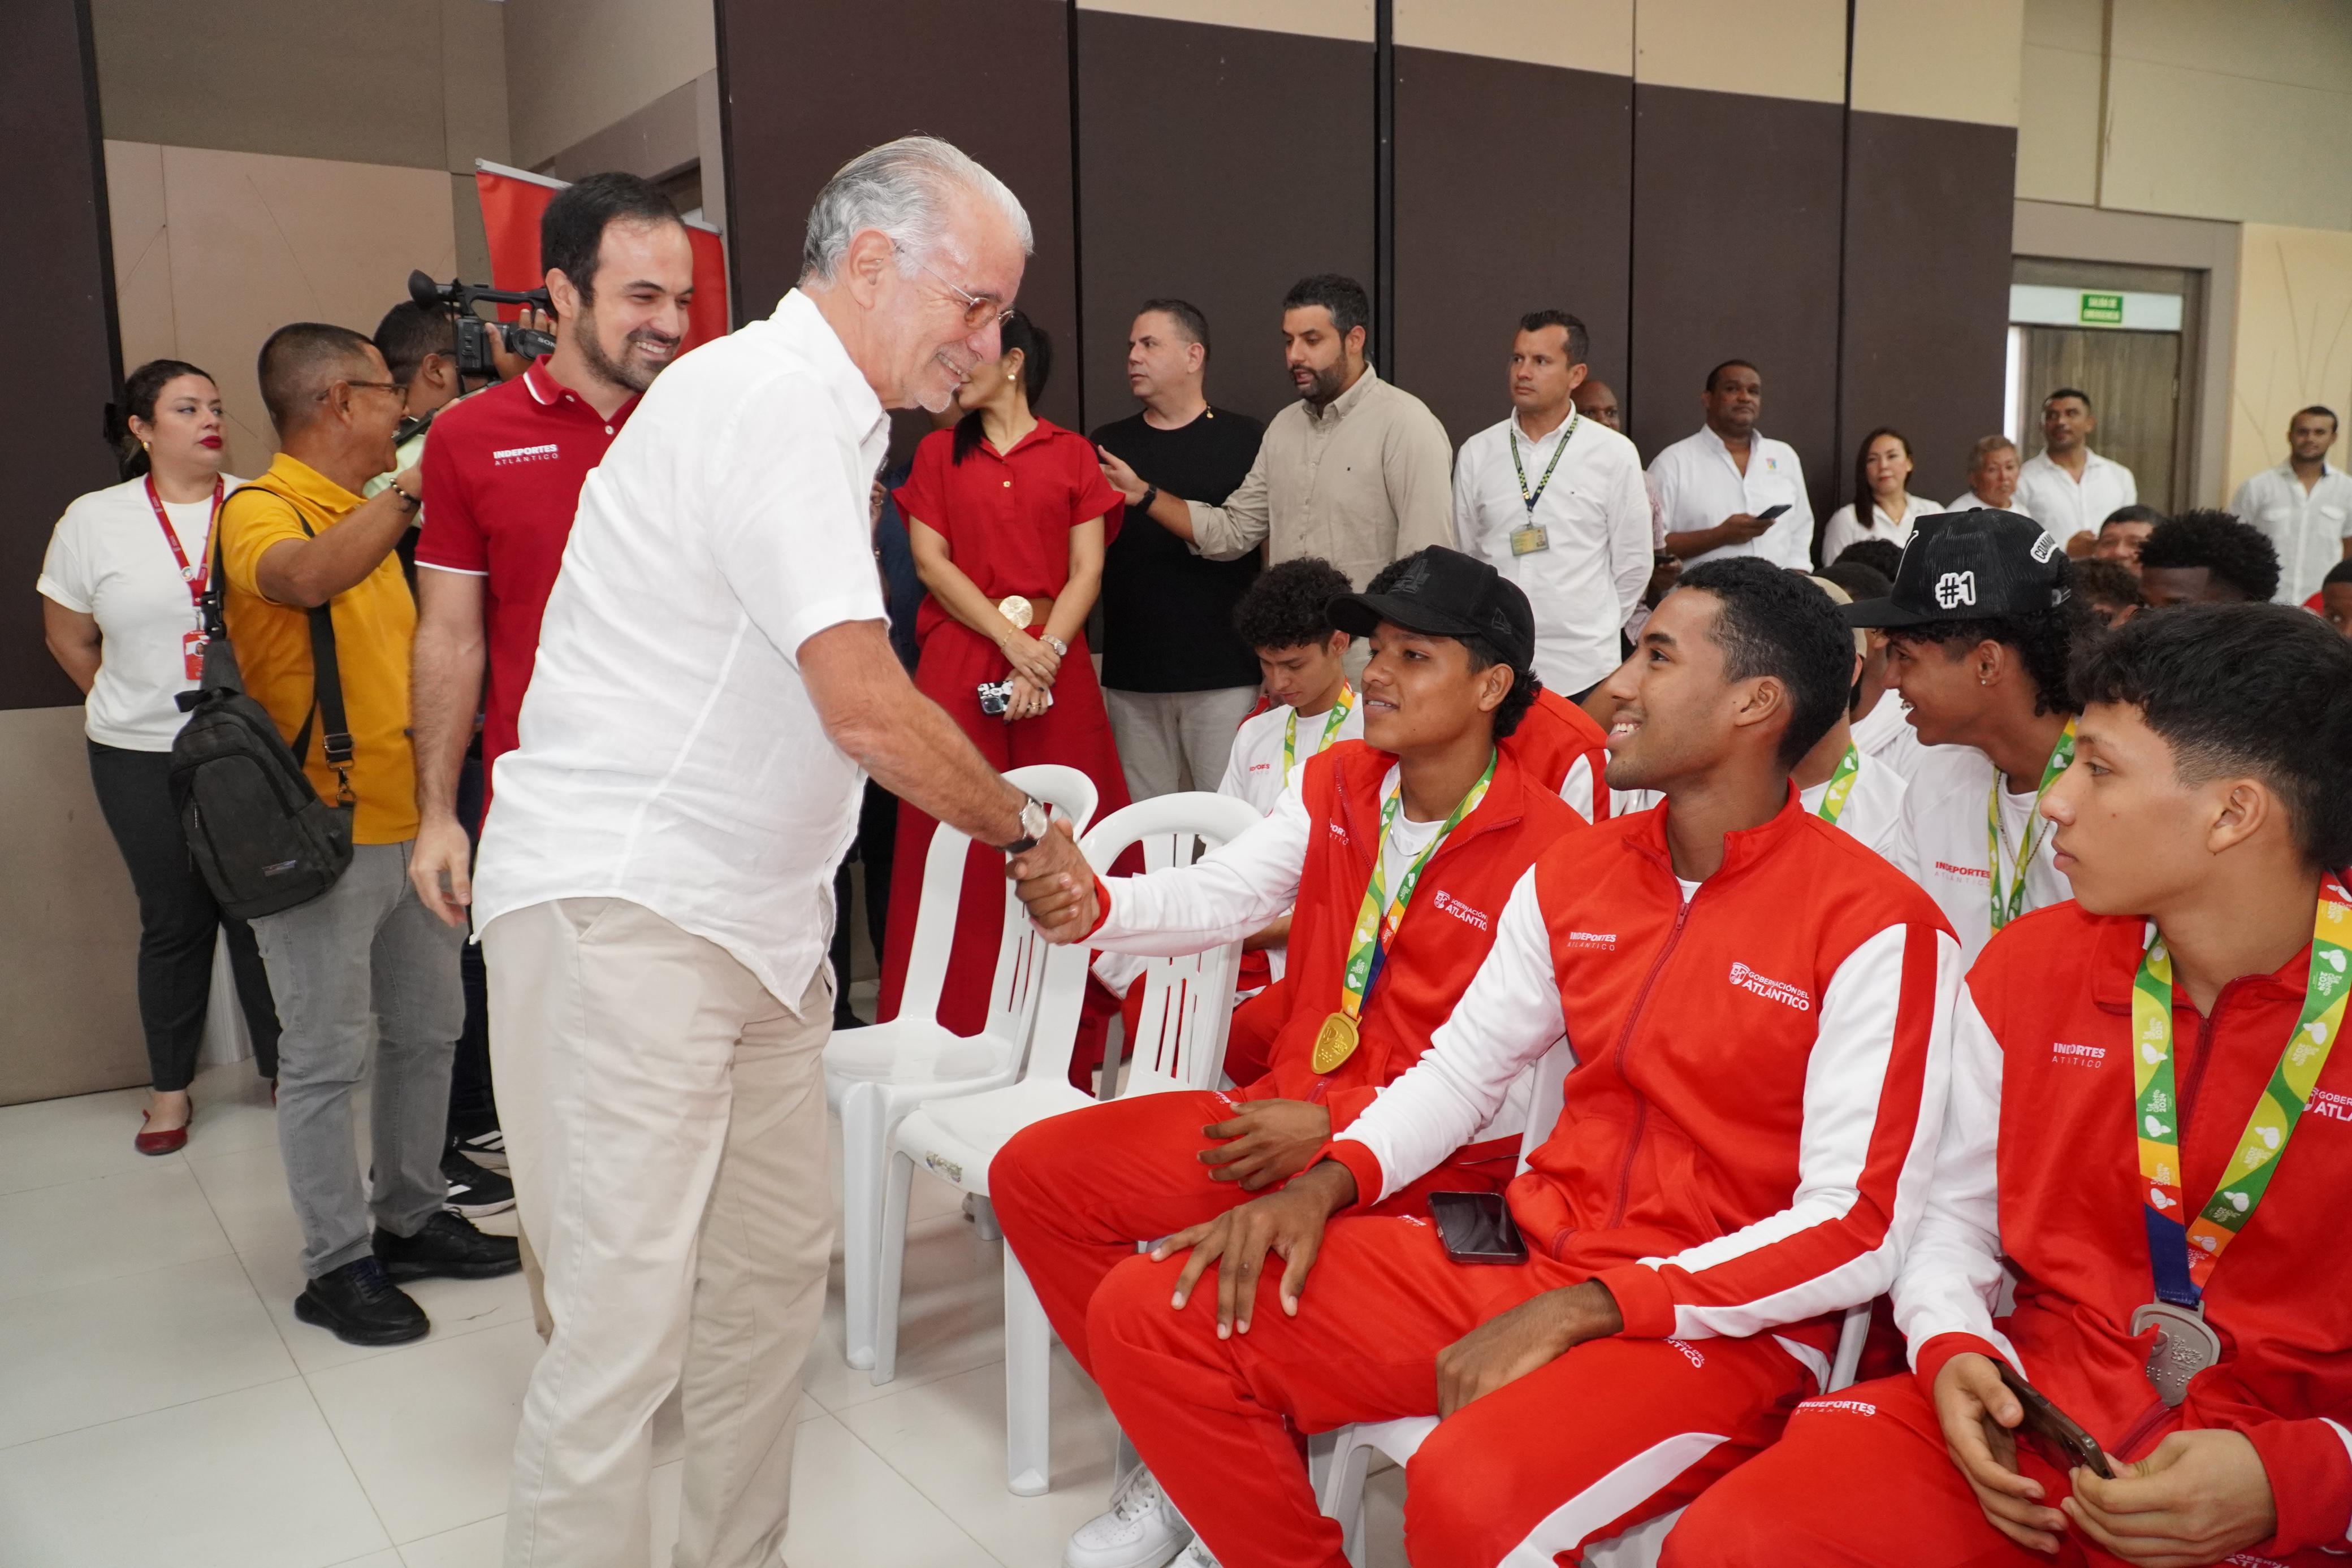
[(1397, 851), (2152, 1129), (502, 478), (1758, 1008)]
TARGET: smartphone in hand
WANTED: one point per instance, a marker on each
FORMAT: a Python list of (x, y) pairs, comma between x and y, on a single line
[(1769, 513), (2046, 1421)]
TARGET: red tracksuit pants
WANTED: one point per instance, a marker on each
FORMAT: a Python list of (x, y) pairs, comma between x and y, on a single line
[(1861, 1480)]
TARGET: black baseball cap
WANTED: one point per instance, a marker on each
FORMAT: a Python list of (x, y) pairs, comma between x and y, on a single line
[(1441, 592), (1970, 566)]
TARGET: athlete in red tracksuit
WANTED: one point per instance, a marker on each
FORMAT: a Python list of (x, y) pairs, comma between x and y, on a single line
[(1743, 1148), (2039, 1165), (1559, 744)]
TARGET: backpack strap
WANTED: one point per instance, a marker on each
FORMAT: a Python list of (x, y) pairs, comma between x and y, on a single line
[(326, 675)]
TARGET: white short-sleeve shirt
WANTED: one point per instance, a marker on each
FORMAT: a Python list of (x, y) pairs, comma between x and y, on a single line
[(1843, 529), (2065, 506), (669, 754), (1699, 486), (2307, 528), (108, 559)]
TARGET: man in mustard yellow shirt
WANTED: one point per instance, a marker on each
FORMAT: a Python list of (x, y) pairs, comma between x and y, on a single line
[(365, 961)]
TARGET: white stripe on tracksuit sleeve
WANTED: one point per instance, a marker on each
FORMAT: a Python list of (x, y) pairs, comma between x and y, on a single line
[(1470, 1085), (1951, 1277), (1227, 894), (1845, 1084), (1577, 789)]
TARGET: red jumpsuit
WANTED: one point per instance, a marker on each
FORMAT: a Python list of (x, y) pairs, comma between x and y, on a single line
[(1742, 1147), (1075, 1193), (1007, 519), (2040, 1165)]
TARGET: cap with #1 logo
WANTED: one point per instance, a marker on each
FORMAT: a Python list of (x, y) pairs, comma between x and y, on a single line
[(1970, 566)]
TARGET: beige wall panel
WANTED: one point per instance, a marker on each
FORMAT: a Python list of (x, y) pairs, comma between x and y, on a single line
[(2304, 43), (70, 925), (2079, 24), (1351, 19), (2058, 126), (2294, 339), (2202, 144), (1580, 35), (1771, 48), (143, 253), (474, 84), (258, 241), (1939, 60), (574, 67)]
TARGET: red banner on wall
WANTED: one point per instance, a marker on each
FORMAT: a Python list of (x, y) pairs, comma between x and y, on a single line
[(513, 201)]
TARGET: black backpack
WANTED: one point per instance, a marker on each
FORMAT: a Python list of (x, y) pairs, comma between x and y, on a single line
[(257, 829)]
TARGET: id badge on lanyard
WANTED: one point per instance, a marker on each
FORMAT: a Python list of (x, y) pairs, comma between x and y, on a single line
[(198, 576)]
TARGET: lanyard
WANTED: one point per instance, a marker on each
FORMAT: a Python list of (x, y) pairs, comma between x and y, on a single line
[(2184, 1256), (1531, 498), (1377, 922), (1834, 799), (196, 577), (2008, 906), (1338, 715)]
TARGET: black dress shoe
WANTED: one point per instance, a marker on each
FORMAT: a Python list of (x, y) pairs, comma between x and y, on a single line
[(358, 1305), (448, 1247)]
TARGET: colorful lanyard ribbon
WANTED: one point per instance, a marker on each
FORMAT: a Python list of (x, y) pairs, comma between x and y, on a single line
[(2008, 906), (1338, 715), (1377, 922), (199, 575), (1841, 786), (1532, 496)]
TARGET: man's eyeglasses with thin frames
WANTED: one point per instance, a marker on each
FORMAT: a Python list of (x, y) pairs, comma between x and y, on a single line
[(977, 313)]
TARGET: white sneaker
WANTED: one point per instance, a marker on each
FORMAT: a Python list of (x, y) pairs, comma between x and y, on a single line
[(1196, 1556), (1142, 1528)]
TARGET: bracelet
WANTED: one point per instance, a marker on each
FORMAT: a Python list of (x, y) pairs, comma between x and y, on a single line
[(1061, 648), (413, 501)]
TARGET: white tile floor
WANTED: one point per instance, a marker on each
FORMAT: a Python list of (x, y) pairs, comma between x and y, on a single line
[(159, 1403)]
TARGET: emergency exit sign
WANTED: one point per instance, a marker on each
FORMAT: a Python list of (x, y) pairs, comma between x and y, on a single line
[(2048, 305), (2101, 311)]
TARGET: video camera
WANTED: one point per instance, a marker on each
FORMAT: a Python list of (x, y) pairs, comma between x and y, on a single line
[(458, 297)]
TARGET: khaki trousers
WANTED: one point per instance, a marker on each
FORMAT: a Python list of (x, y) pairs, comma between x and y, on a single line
[(664, 1123)]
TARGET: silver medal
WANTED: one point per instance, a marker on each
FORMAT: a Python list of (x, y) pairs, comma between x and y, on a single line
[(2186, 1345)]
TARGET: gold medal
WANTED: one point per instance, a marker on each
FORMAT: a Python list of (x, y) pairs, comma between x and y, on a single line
[(1018, 611), (1335, 1042)]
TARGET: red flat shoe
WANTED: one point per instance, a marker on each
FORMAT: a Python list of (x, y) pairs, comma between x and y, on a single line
[(167, 1142)]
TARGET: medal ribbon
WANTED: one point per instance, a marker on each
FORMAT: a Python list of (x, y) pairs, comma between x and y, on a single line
[(196, 577), (1338, 715), (1841, 786), (1377, 922), (2184, 1254), (2008, 908), (1531, 498)]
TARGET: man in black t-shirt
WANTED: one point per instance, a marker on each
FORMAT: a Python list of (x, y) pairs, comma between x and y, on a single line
[(1176, 677)]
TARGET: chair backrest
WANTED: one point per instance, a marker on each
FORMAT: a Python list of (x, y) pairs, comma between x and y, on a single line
[(1188, 1002), (1019, 955), (1544, 1105)]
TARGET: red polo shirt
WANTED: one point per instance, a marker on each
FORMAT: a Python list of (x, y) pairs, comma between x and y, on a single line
[(502, 476)]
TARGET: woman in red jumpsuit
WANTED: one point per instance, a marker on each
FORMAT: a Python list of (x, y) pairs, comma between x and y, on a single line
[(1008, 514)]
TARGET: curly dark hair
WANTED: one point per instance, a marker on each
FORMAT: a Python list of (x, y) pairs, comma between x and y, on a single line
[(1290, 606), (2234, 552), (2045, 640), (1484, 655), (2107, 582), (1882, 556)]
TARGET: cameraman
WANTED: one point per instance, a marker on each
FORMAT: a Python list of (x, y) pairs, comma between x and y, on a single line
[(502, 478)]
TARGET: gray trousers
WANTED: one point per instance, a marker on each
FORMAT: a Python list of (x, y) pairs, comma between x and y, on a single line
[(367, 964), (1176, 740)]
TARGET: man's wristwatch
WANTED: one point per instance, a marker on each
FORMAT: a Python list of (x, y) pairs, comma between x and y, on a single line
[(1149, 496), (1035, 820)]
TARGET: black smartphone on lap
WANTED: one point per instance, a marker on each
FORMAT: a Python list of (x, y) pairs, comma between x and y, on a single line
[(1477, 1227)]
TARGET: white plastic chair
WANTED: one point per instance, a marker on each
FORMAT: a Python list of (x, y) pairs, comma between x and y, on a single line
[(875, 1076), (1180, 1044), (1342, 1457)]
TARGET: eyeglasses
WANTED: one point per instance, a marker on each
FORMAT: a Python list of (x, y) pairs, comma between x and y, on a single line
[(392, 387), (977, 313)]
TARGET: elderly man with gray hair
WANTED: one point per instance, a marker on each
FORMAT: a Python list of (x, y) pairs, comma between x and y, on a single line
[(654, 886)]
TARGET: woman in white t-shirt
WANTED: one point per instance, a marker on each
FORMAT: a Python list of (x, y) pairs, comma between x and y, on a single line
[(119, 588), (1882, 478)]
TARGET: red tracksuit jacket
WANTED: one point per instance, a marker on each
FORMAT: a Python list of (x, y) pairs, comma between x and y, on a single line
[(1747, 1137), (1567, 753), (2040, 1165)]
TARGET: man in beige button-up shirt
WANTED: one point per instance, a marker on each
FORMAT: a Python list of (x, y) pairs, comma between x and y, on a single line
[(1357, 472)]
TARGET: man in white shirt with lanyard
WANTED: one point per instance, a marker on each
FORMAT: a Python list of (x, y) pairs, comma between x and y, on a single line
[(1980, 626), (1556, 503), (2304, 505), (1727, 491), (2067, 487)]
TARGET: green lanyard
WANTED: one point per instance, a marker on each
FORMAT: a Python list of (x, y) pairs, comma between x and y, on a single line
[(1834, 799), (1531, 498), (1377, 922), (1338, 715), (2008, 906)]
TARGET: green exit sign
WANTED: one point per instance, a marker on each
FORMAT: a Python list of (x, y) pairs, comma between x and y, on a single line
[(2103, 310)]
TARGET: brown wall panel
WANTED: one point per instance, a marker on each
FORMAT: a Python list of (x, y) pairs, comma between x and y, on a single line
[(1927, 289), (809, 86), (1219, 164), (1736, 245), (1514, 194), (53, 249)]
